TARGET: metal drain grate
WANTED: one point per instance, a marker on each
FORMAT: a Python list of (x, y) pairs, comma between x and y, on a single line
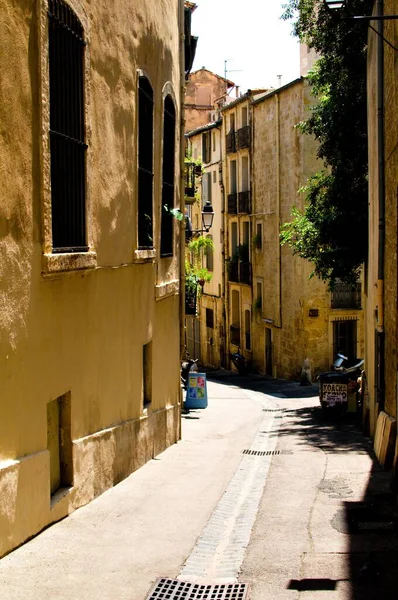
[(267, 452), (172, 589), (273, 410)]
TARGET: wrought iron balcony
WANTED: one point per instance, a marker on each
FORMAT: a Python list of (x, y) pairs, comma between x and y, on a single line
[(232, 204), (346, 296), (239, 272), (231, 142), (190, 180), (235, 335), (233, 271), (244, 202), (243, 137), (245, 273)]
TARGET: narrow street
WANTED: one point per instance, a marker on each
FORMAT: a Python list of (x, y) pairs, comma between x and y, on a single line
[(261, 490)]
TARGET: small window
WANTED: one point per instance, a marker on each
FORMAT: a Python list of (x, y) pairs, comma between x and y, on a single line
[(206, 188), (209, 257), (145, 164), (244, 116), (259, 299), (259, 236), (147, 374), (169, 133), (247, 330), (67, 129), (206, 147), (214, 176), (210, 318)]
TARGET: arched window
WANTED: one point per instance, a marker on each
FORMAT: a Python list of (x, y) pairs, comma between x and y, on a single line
[(145, 164), (169, 137), (67, 129)]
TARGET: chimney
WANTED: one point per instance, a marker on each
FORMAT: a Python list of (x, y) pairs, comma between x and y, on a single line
[(237, 91)]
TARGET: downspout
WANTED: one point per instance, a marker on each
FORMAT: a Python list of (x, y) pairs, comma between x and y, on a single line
[(278, 209), (224, 283), (379, 350), (225, 180), (182, 193)]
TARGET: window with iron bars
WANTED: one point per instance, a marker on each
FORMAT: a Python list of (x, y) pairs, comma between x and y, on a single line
[(169, 134), (66, 46), (145, 164)]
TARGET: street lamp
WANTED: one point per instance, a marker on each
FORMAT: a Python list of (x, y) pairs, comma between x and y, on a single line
[(333, 4), (207, 221), (207, 216)]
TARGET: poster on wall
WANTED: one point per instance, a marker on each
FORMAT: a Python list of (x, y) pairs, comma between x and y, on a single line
[(196, 396)]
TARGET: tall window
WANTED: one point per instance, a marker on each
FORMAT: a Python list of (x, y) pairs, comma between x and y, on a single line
[(145, 164), (247, 330), (209, 257), (169, 134), (67, 130), (206, 147), (206, 187)]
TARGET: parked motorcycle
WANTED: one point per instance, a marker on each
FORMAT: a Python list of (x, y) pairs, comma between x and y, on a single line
[(240, 362), (336, 387), (188, 365)]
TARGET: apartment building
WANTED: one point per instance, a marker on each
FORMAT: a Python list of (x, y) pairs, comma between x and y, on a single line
[(89, 256)]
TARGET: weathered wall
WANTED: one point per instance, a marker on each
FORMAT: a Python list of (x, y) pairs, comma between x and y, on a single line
[(283, 159), (390, 262), (83, 331), (196, 114)]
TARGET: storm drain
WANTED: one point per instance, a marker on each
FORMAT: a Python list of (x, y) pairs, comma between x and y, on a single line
[(173, 589), (273, 410), (267, 452)]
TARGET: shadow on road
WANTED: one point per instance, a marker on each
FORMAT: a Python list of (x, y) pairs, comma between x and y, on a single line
[(372, 523)]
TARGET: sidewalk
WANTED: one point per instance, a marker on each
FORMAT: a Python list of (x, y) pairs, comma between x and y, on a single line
[(145, 527), (261, 490)]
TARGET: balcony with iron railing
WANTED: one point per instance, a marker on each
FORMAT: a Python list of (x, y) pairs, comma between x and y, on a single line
[(244, 202), (235, 335), (345, 295), (231, 142), (232, 204), (239, 272), (243, 138)]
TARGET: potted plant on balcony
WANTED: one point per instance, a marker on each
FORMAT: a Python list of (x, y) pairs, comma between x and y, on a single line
[(195, 274)]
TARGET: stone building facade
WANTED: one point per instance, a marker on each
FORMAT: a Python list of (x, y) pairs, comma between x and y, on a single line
[(380, 390), (295, 316), (205, 91), (89, 259), (205, 331)]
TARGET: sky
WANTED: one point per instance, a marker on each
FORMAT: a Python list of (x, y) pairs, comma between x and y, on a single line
[(251, 36)]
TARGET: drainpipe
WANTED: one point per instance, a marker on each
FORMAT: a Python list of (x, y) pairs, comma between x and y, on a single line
[(278, 208), (182, 192), (379, 350), (226, 307), (224, 282)]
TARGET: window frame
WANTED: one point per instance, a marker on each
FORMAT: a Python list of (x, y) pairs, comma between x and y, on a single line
[(145, 163), (168, 161), (60, 263)]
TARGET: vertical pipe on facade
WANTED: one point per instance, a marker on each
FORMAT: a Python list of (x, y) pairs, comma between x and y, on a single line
[(278, 207), (182, 188), (381, 204), (226, 238), (223, 255)]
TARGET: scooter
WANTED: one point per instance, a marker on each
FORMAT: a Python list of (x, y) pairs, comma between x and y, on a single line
[(240, 362), (336, 386), (187, 366)]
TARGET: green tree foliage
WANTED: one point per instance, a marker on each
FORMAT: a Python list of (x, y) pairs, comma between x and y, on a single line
[(332, 231)]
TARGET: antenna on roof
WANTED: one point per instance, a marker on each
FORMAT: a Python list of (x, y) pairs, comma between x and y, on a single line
[(226, 71)]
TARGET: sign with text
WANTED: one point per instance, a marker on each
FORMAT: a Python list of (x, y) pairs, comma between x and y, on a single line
[(196, 396)]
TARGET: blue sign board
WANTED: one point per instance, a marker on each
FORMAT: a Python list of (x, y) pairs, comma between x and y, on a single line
[(196, 396)]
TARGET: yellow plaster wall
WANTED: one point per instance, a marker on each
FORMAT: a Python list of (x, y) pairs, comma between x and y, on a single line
[(83, 332)]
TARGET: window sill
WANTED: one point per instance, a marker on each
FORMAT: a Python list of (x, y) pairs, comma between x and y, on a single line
[(144, 256), (170, 288), (58, 264)]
